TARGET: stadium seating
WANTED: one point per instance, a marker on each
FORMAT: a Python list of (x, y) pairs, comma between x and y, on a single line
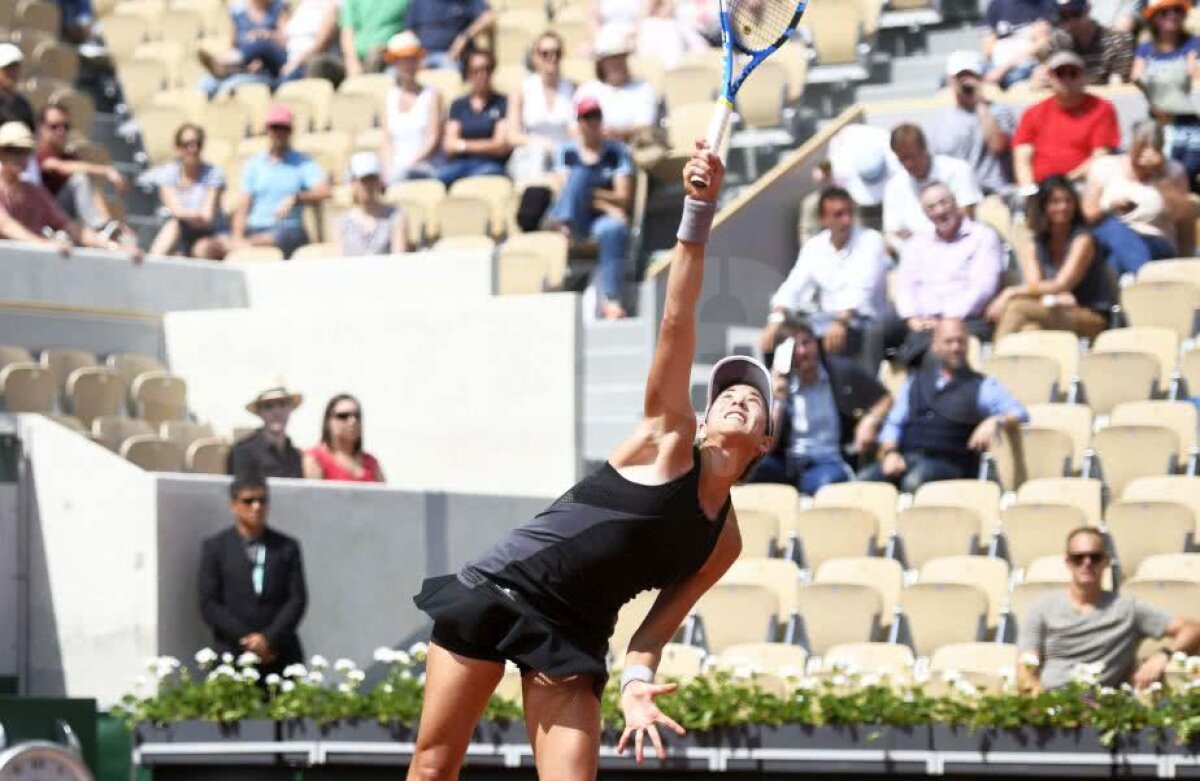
[(1081, 492), (1140, 529), (731, 614), (879, 499), (819, 534), (1033, 530), (928, 532), (782, 659), (883, 575), (832, 614), (1062, 347), (989, 575), (1125, 453), (780, 576), (937, 614), (895, 660)]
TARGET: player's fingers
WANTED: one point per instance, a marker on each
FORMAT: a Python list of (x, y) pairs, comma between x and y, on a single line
[(671, 723), (657, 741), (621, 741), (701, 144), (663, 688), (638, 743)]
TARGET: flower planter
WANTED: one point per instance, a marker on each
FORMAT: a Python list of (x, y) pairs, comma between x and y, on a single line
[(845, 744), (501, 733), (1015, 752), (211, 735), (676, 746)]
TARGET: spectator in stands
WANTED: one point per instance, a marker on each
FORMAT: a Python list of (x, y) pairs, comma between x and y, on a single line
[(340, 456), (14, 107), (903, 214), (28, 213), (630, 107), (973, 129), (596, 192), (311, 34), (78, 21), (952, 271), (476, 136), (1164, 68), (366, 27), (275, 185), (823, 406), (945, 415), (251, 584), (258, 42), (1066, 287), (666, 36), (72, 181), (1107, 54), (412, 115), (269, 451), (1018, 33), (190, 190), (703, 16), (861, 160), (446, 27), (839, 281), (371, 227), (1064, 133), (1084, 624), (1138, 204), (541, 113)]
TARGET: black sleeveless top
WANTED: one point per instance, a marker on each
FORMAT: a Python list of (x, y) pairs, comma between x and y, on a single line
[(599, 545)]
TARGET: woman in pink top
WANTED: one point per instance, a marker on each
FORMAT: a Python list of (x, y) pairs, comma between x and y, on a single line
[(340, 455)]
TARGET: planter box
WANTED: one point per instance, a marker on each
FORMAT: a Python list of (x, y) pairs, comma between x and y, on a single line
[(355, 731), (847, 740), (213, 734), (676, 747), (1012, 752)]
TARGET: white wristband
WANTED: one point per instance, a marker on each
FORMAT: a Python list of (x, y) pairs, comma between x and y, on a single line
[(636, 672), (696, 220)]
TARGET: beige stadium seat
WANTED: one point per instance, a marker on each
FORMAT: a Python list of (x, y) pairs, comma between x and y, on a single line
[(353, 114), (879, 499), (1053, 569), (112, 430), (1159, 342), (984, 658), (896, 660), (819, 534), (496, 191), (1082, 492), (1110, 378), (62, 361), (836, 32), (256, 97), (514, 33), (1179, 416), (648, 69), (938, 614), (1075, 420), (571, 23), (989, 575), (254, 255), (679, 662), (1181, 489), (93, 391), (227, 119), (1175, 597), (629, 618), (1032, 452), (1170, 566), (39, 15), (884, 575), (317, 251), (171, 54), (317, 93), (1032, 379), (833, 613), (760, 531), (10, 353), (130, 365), (1181, 269), (551, 246), (778, 498), (374, 85), (1164, 303), (159, 396), (760, 101), (462, 215), (27, 387), (994, 212), (208, 456), (185, 432), (153, 453), (466, 244), (1141, 529), (446, 81), (122, 35), (929, 532), (794, 59), (71, 422), (1026, 594), (1060, 346), (690, 84), (782, 659), (55, 60), (980, 496), (1189, 370), (732, 613), (520, 273), (426, 194), (1129, 452), (781, 576), (511, 686), (304, 114), (141, 80), (1033, 530), (183, 25)]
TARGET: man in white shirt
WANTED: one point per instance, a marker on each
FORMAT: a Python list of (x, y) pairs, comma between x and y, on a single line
[(839, 282), (902, 212)]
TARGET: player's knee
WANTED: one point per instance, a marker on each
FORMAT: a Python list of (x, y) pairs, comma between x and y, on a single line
[(429, 765)]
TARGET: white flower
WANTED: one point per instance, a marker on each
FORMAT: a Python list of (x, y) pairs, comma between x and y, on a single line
[(1087, 674), (1179, 657), (1051, 711), (920, 675), (1107, 691), (1030, 659), (345, 688), (419, 651), (287, 686), (963, 686), (421, 679), (1127, 688), (807, 684), (141, 685), (384, 655), (248, 659), (839, 680), (249, 674), (318, 662), (226, 658), (788, 671), (316, 676), (205, 657), (1192, 664), (743, 671), (388, 688), (273, 679), (356, 676), (952, 677), (868, 680), (344, 665), (1155, 687), (223, 671), (402, 658), (511, 667), (162, 666), (294, 671), (1007, 673)]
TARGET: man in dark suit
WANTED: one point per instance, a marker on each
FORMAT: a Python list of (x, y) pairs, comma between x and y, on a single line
[(251, 585)]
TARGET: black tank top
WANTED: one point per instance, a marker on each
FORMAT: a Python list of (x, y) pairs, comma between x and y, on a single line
[(599, 545)]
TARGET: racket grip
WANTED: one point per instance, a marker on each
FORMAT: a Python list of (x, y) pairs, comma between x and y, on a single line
[(716, 133)]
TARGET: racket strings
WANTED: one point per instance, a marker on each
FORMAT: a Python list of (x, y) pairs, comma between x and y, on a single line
[(757, 24)]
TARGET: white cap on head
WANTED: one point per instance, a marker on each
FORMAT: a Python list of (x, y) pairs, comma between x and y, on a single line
[(965, 61), (740, 370), (9, 54), (364, 164), (862, 162)]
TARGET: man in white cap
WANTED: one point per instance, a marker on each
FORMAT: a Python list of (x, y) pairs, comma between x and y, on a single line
[(14, 107), (973, 129), (861, 161), (269, 452)]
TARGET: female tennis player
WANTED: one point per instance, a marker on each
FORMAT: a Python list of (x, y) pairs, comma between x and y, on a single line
[(656, 515)]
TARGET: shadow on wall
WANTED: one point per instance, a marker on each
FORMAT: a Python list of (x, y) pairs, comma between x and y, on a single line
[(44, 673)]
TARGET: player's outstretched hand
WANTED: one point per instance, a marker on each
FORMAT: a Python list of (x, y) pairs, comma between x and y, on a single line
[(641, 716), (703, 174)]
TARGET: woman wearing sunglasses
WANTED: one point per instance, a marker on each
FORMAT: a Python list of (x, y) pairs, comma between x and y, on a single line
[(340, 456), (540, 114), (190, 191), (1164, 67)]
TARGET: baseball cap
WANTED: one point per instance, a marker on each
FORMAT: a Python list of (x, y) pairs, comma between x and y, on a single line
[(364, 164), (279, 114), (586, 106), (740, 370), (862, 161), (16, 135), (964, 61), (9, 53), (1063, 57)]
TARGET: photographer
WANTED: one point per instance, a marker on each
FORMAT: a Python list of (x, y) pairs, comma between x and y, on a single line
[(972, 129)]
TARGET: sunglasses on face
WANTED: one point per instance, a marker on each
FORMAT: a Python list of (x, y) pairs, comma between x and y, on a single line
[(1068, 72), (190, 143), (1172, 12), (550, 54), (348, 415), (253, 501), (273, 404), (59, 126), (279, 128), (1095, 557), (15, 151), (591, 116)]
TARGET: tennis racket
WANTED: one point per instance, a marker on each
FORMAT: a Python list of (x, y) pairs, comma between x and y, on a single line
[(756, 29)]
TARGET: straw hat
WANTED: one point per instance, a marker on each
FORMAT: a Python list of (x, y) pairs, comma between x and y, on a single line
[(402, 45), (274, 389)]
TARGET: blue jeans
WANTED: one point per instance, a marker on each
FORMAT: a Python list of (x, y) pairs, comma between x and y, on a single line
[(289, 237), (1128, 250), (922, 468), (808, 478), (270, 54), (212, 86), (574, 209), (462, 167), (1184, 138), (440, 60)]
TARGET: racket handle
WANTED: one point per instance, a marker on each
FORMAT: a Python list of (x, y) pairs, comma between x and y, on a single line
[(716, 133)]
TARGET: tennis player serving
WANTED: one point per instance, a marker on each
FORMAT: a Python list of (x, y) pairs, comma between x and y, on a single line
[(657, 515)]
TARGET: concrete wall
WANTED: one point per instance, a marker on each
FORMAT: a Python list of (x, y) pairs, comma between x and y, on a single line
[(37, 326), (10, 580), (479, 397)]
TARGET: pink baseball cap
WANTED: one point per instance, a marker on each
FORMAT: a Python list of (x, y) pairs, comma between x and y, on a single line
[(279, 115), (586, 106)]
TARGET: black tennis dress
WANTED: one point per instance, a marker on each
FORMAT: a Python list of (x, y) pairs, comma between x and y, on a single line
[(546, 596)]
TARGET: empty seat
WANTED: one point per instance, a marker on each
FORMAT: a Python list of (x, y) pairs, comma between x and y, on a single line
[(317, 251), (822, 533), (1060, 346), (521, 273), (27, 387), (112, 430), (71, 422), (980, 496), (1032, 452), (778, 498), (1161, 303), (185, 432), (1141, 529), (153, 453), (760, 101), (130, 365), (984, 658), (1170, 566), (553, 247), (879, 499), (887, 658), (13, 354), (989, 575), (1082, 492), (1175, 597), (1179, 416), (689, 84), (679, 662), (733, 613), (159, 396), (629, 618), (1182, 269), (760, 532), (1032, 379), (207, 456), (1032, 530), (884, 575), (465, 244), (93, 391), (928, 532), (462, 215), (1110, 378), (254, 255), (317, 93), (1026, 594), (1181, 489), (496, 191), (781, 576), (1189, 372), (832, 613), (782, 659), (937, 614), (1129, 452), (1075, 420), (1162, 343), (62, 361)]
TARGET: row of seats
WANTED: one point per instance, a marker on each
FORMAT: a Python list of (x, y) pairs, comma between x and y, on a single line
[(172, 446)]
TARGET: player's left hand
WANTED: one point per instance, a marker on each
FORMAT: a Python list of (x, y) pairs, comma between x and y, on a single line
[(641, 716)]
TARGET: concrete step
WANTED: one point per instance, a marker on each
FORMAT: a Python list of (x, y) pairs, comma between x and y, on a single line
[(877, 92), (613, 400), (950, 39), (923, 70)]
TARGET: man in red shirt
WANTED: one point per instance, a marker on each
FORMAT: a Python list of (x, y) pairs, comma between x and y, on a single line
[(1065, 132)]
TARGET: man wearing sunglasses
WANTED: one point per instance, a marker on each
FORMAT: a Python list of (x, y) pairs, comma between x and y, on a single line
[(251, 584), (269, 451), (1107, 54), (1086, 624)]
